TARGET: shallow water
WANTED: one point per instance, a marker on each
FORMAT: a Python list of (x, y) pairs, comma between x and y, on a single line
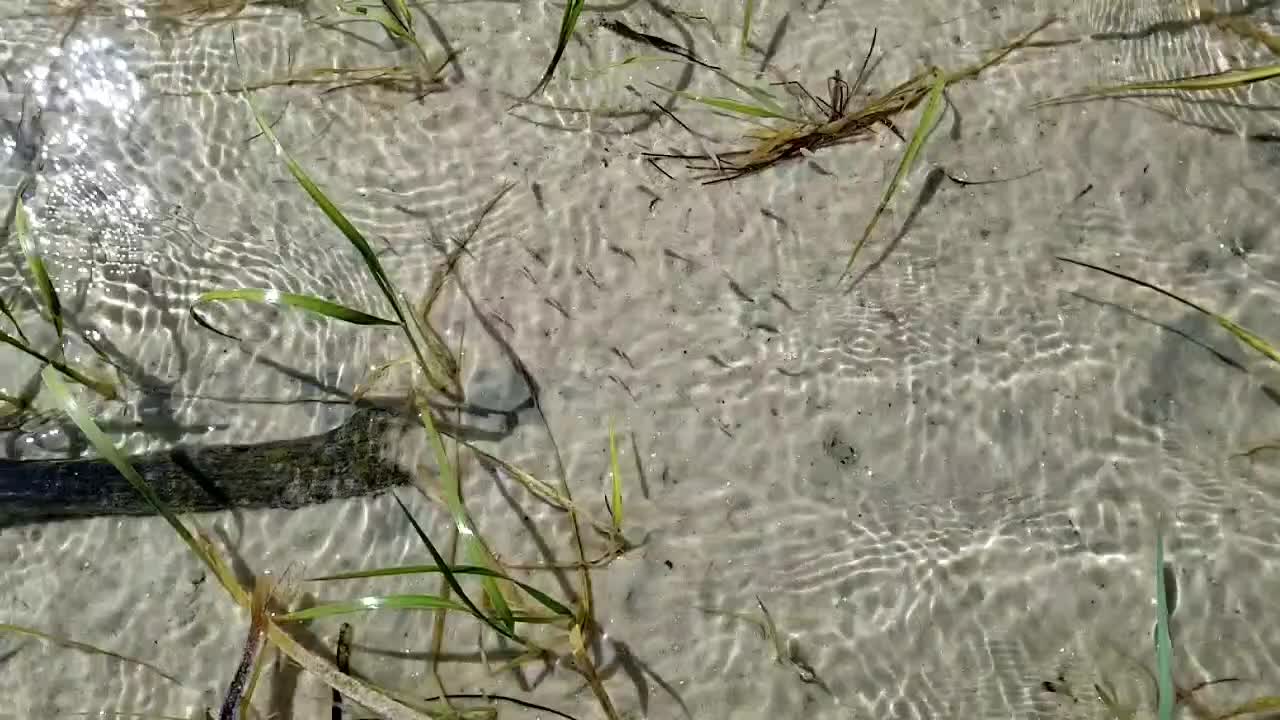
[(944, 484)]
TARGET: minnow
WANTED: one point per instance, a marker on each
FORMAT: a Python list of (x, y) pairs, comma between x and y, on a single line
[(737, 290), (624, 357), (625, 387), (777, 296), (556, 304), (233, 707)]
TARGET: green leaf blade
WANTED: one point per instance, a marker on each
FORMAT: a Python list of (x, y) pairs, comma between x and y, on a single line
[(929, 118), (36, 266)]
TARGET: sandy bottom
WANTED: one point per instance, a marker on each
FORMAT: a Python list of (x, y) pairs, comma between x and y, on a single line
[(944, 484)]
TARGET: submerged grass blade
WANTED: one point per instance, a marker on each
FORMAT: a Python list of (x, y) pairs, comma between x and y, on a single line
[(568, 21), (748, 11), (1166, 699), (547, 601), (1225, 80), (35, 263), (309, 303), (374, 602), (928, 121), (615, 468), (358, 691), (476, 551), (1267, 704), (435, 376), (1241, 333), (452, 579), (102, 387), (84, 647), (730, 105)]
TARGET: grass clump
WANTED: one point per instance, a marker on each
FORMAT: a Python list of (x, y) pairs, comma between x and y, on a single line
[(831, 122)]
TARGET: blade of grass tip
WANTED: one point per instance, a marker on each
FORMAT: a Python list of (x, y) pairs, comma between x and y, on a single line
[(568, 21), (311, 304), (1225, 80), (615, 507), (451, 579), (1241, 333), (748, 10), (84, 647), (771, 632), (929, 118), (1257, 705), (340, 221), (550, 603), (476, 551), (1163, 644), (35, 264), (730, 105), (102, 387)]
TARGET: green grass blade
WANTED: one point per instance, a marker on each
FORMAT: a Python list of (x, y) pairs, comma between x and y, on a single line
[(748, 12), (730, 105), (547, 601), (438, 379), (474, 547), (541, 489), (35, 264), (1241, 333), (84, 647), (1164, 645), (568, 21), (928, 121), (1225, 80), (311, 304), (373, 602), (1266, 704), (615, 507), (452, 579), (102, 387), (109, 451)]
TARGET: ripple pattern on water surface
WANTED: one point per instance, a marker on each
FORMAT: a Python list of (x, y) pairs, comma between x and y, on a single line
[(942, 482)]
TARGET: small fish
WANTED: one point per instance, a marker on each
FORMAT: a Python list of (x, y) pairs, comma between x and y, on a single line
[(777, 296), (773, 216), (584, 270), (624, 357), (556, 304), (528, 274), (677, 256), (766, 327), (737, 290), (616, 379), (233, 706), (537, 196), (502, 320), (623, 252), (719, 363), (536, 255)]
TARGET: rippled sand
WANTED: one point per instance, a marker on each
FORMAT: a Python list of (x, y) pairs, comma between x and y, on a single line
[(943, 484)]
